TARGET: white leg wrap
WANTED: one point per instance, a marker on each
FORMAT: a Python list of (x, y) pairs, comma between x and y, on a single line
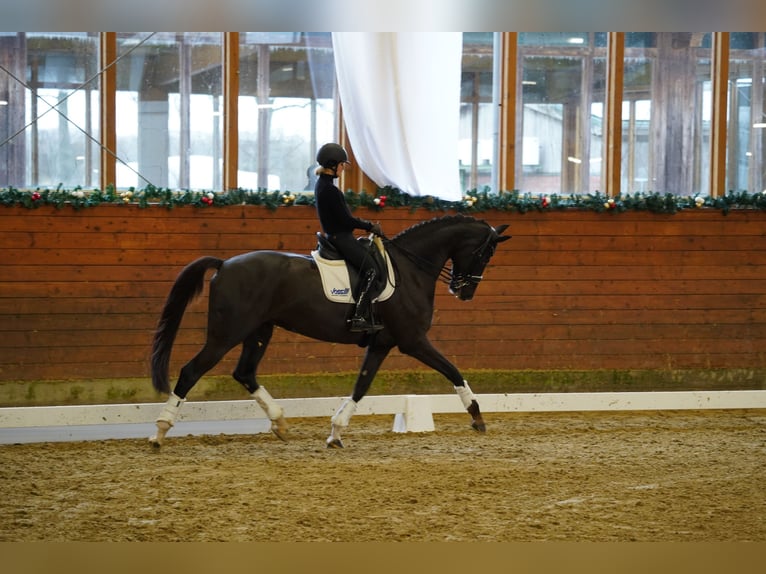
[(170, 410), (267, 403), (343, 415), (466, 394)]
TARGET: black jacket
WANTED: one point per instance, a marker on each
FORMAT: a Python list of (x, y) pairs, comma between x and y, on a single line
[(332, 209)]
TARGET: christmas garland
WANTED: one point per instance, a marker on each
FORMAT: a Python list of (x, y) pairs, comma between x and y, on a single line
[(472, 201)]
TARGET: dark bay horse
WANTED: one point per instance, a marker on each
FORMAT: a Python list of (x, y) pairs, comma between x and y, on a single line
[(252, 293)]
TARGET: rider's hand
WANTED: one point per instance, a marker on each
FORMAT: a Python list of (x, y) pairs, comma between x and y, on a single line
[(376, 229)]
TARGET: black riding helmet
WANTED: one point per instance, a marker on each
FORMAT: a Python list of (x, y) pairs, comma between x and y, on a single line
[(330, 155)]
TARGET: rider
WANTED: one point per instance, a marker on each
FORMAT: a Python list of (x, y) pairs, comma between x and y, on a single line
[(338, 225)]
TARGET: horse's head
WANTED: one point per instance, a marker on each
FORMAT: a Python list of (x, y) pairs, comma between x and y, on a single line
[(471, 257)]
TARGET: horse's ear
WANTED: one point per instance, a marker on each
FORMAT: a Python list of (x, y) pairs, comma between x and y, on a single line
[(499, 230)]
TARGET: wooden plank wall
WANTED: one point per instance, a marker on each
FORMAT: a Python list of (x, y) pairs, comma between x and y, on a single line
[(81, 291)]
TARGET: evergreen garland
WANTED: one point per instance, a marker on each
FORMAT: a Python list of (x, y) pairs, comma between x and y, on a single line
[(474, 201)]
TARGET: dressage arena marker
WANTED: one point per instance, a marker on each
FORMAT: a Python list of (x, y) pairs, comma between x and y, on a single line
[(412, 413)]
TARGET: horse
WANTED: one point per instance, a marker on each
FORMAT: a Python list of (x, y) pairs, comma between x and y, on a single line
[(254, 292)]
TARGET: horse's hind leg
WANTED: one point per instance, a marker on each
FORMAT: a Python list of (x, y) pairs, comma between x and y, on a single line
[(253, 349), (191, 372), (340, 420)]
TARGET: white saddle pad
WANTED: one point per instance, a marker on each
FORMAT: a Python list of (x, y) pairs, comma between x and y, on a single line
[(335, 279)]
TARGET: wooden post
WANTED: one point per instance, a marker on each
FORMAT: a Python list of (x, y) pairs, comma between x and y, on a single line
[(719, 70), (506, 180), (108, 94), (613, 114), (230, 110)]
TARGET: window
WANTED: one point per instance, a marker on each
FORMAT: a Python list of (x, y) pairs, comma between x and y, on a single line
[(562, 79), (746, 148), (169, 110), (666, 113), (478, 112), (169, 125), (49, 109), (287, 108)]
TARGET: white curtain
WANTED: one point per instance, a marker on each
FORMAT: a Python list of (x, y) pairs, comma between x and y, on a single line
[(400, 94)]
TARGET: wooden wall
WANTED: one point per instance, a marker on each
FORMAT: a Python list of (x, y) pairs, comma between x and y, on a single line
[(81, 291)]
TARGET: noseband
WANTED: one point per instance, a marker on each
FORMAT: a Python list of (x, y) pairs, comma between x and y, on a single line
[(461, 280)]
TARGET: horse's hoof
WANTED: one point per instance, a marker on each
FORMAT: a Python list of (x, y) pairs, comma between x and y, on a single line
[(334, 443), (162, 429), (279, 428), (280, 434), (479, 427)]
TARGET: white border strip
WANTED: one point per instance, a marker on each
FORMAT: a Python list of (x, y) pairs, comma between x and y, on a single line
[(21, 417)]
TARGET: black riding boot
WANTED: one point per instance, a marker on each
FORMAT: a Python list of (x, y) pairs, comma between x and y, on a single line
[(363, 320)]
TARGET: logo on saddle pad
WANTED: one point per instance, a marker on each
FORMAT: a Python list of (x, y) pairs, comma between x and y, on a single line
[(336, 282)]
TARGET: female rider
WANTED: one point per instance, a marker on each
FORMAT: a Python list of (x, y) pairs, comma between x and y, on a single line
[(338, 225)]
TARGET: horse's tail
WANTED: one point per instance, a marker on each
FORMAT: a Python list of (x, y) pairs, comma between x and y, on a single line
[(186, 287)]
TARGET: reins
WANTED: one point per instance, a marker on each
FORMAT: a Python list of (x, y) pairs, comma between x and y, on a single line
[(444, 273)]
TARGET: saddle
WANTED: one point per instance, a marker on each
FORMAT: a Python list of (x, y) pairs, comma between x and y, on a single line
[(340, 281)]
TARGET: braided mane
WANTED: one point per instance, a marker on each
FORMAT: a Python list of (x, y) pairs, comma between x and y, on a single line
[(444, 220)]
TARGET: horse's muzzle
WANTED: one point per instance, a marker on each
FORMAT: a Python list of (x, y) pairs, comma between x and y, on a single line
[(464, 286)]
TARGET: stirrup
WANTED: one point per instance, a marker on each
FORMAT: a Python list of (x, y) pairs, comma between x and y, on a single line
[(362, 325)]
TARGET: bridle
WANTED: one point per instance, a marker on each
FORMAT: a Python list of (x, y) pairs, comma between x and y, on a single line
[(460, 280)]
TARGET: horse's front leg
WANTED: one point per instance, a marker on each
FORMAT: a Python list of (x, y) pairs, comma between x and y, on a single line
[(425, 352), (471, 405), (373, 358)]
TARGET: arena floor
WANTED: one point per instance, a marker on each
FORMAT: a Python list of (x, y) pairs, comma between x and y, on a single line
[(636, 476)]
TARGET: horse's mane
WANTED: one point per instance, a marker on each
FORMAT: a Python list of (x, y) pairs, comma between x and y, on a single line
[(444, 220)]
